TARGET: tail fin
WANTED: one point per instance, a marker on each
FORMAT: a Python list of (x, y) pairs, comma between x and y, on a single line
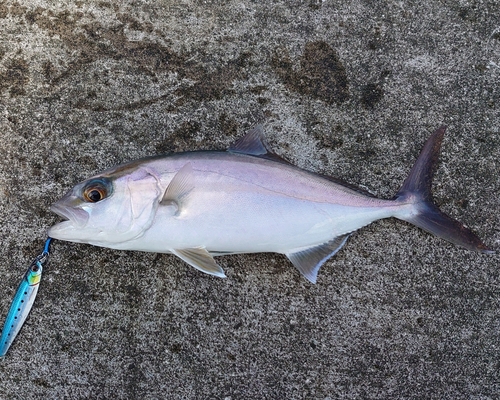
[(416, 189)]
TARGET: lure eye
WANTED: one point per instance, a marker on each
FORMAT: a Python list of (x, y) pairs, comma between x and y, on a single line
[(95, 191)]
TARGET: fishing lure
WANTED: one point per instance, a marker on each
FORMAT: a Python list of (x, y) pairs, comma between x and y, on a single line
[(23, 300)]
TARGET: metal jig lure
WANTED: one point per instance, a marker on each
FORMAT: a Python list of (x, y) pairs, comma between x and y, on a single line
[(24, 299)]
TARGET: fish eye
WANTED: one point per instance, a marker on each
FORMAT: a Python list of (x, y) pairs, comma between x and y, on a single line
[(94, 195), (95, 191)]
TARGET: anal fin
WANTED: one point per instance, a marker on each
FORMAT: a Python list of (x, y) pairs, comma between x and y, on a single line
[(201, 259), (308, 261)]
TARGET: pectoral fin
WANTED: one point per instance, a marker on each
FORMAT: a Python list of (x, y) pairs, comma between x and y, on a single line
[(201, 259), (178, 189), (309, 261)]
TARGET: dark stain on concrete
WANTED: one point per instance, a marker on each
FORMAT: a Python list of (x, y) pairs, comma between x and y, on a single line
[(228, 126), (17, 10), (371, 94), (315, 4), (4, 11), (92, 42), (181, 139), (331, 139), (375, 42), (134, 24), (321, 75), (212, 85), (15, 77), (467, 13), (49, 71), (97, 41), (136, 105), (258, 91)]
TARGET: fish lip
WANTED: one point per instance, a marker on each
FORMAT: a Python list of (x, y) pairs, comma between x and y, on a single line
[(75, 216)]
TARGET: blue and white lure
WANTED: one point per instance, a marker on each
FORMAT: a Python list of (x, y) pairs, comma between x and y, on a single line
[(23, 300)]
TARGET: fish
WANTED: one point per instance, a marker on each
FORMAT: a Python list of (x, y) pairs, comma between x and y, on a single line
[(247, 199), (22, 303)]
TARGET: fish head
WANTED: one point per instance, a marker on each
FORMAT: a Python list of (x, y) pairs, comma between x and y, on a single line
[(108, 209)]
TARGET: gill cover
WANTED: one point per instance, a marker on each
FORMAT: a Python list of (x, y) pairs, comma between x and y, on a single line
[(131, 208)]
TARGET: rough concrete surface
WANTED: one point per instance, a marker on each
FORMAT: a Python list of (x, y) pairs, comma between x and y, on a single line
[(347, 88)]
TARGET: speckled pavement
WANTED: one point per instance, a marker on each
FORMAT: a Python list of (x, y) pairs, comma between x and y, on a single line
[(346, 88)]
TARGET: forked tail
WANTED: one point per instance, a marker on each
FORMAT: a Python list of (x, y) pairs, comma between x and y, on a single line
[(416, 189)]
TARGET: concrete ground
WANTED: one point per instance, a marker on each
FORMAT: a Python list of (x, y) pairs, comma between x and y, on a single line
[(346, 88)]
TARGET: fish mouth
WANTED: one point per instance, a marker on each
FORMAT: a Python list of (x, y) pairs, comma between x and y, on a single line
[(76, 217)]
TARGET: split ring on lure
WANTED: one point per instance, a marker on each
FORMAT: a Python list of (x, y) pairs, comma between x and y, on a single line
[(23, 300)]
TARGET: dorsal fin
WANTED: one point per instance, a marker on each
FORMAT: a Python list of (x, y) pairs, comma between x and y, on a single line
[(253, 143)]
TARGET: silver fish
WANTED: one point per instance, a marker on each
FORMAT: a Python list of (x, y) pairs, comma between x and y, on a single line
[(247, 199)]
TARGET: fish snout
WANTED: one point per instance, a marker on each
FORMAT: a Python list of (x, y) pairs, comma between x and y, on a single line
[(67, 209)]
